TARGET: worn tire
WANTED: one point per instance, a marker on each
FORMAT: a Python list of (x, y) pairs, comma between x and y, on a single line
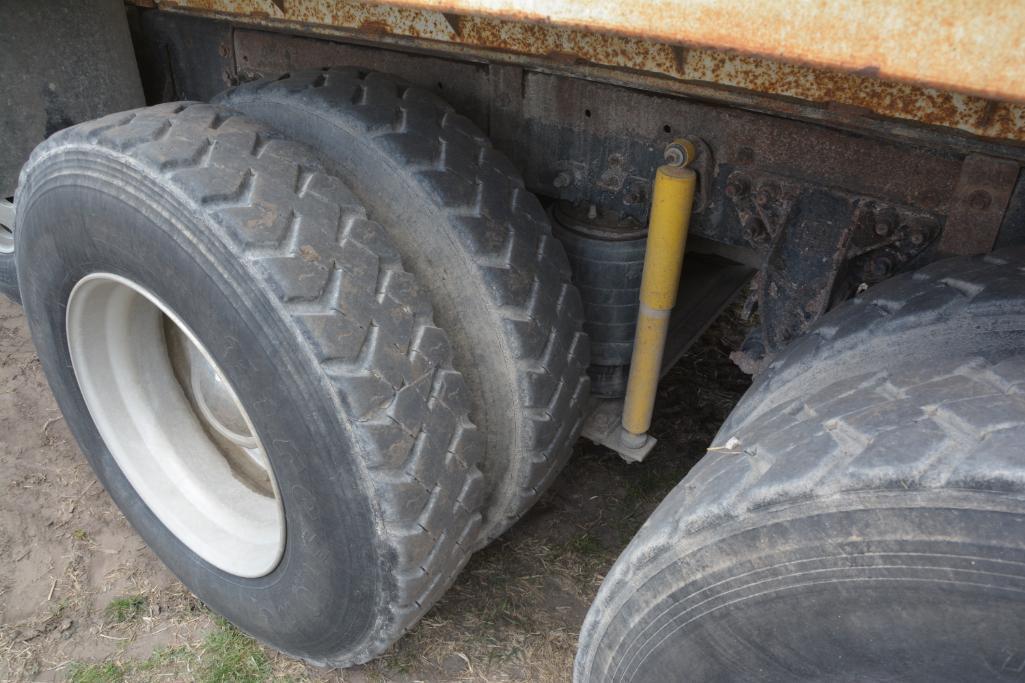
[(330, 343), (480, 243), (859, 515), (8, 267)]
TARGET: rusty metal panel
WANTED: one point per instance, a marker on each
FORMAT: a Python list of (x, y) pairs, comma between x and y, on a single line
[(593, 131), (952, 64), (977, 208), (963, 45), (583, 140)]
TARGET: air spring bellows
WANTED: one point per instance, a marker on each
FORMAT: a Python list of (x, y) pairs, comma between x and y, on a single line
[(606, 252)]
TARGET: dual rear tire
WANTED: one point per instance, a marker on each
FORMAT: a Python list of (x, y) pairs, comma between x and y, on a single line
[(263, 386), (480, 245)]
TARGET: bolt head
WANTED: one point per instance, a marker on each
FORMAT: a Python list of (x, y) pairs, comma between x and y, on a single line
[(674, 156), (885, 222), (979, 200), (766, 195), (879, 267), (737, 187), (563, 179), (679, 152), (755, 230)]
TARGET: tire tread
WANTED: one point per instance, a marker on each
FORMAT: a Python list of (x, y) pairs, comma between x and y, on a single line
[(301, 231), (506, 234), (954, 423)]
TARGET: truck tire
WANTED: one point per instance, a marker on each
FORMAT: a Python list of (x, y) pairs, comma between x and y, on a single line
[(186, 234), (480, 243), (858, 517), (8, 268)]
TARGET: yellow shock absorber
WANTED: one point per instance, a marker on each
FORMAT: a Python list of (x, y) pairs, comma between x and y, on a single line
[(671, 203)]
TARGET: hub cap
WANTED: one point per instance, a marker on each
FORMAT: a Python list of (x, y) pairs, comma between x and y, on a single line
[(6, 226), (174, 425)]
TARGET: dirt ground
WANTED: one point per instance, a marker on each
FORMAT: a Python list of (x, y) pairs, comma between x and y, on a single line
[(83, 599)]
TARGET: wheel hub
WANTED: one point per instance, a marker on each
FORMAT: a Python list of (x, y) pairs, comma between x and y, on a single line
[(6, 226), (174, 425)]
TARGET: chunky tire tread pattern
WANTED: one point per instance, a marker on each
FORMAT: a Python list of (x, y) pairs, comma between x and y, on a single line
[(302, 233), (908, 307), (504, 231), (955, 423)]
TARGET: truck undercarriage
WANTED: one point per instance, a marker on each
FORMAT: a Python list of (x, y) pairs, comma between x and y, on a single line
[(431, 230)]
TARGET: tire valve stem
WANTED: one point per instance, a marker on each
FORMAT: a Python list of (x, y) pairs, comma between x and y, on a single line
[(671, 203)]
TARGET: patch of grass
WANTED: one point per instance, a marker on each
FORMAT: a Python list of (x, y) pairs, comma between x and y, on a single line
[(126, 608), (229, 656), (166, 656), (107, 672), (80, 535), (58, 610), (587, 545)]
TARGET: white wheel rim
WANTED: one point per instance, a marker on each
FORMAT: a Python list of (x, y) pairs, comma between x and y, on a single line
[(6, 226), (174, 425)]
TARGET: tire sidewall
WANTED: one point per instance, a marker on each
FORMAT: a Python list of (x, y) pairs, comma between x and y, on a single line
[(320, 596), (808, 591)]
